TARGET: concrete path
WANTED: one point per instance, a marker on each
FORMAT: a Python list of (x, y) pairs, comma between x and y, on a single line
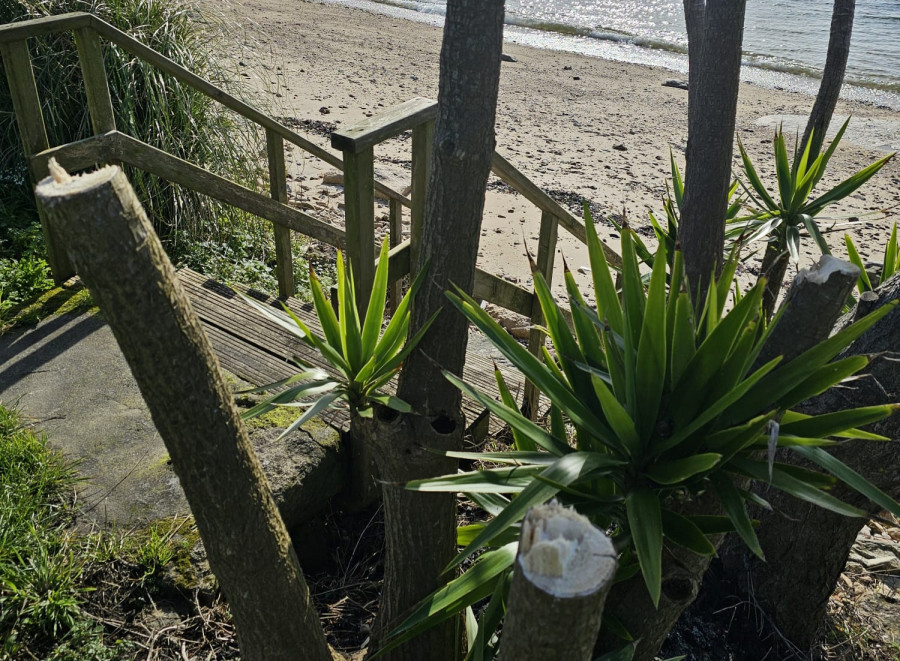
[(68, 378)]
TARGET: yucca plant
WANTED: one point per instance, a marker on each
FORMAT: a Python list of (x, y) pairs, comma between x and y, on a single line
[(363, 357), (663, 404), (780, 219), (890, 263), (668, 232)]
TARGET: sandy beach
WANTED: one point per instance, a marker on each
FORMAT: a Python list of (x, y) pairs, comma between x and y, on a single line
[(577, 126)]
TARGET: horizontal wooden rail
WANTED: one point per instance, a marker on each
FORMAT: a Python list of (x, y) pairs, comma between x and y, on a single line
[(78, 20), (534, 194), (80, 155), (494, 289), (391, 123), (115, 146), (398, 262), (46, 25)]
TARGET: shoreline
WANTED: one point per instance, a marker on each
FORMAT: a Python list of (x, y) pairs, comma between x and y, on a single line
[(578, 126), (628, 49)]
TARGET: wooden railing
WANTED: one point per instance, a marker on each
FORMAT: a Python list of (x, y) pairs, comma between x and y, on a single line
[(356, 142)]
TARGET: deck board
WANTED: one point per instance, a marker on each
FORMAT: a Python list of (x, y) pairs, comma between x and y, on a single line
[(258, 350)]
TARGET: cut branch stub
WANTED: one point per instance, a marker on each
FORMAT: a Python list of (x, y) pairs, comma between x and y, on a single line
[(563, 572)]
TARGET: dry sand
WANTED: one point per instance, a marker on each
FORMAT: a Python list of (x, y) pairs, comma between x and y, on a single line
[(575, 125)]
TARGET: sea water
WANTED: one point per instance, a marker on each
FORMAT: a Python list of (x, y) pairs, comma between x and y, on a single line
[(785, 41)]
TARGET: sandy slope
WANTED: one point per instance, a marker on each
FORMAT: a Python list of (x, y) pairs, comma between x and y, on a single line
[(597, 129)]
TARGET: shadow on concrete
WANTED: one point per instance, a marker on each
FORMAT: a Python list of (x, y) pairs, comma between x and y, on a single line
[(16, 359)]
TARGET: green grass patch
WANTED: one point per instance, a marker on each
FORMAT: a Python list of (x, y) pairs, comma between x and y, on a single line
[(50, 575)]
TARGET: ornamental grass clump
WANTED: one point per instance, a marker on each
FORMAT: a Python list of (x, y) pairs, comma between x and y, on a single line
[(653, 403), (148, 105)]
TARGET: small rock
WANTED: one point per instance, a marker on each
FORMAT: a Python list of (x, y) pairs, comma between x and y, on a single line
[(507, 58), (567, 68), (675, 82), (620, 147), (333, 178), (576, 77), (324, 110)]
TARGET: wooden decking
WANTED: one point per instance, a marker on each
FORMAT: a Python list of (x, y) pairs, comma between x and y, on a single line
[(258, 350)]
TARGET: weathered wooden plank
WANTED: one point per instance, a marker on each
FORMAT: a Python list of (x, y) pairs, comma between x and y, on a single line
[(395, 235), (545, 258), (284, 261), (257, 350), (152, 160), (388, 124), (534, 194), (494, 289), (422, 147), (96, 86), (33, 133), (46, 25), (78, 155), (359, 221)]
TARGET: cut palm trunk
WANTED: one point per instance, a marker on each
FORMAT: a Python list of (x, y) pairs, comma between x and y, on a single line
[(807, 547), (119, 257), (563, 572)]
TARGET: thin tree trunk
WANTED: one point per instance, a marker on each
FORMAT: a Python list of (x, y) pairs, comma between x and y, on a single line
[(807, 547), (563, 571), (773, 268), (463, 146), (406, 447), (120, 259), (715, 35), (832, 76), (682, 574)]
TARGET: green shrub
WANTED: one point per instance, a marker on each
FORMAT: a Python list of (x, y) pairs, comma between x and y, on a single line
[(665, 403)]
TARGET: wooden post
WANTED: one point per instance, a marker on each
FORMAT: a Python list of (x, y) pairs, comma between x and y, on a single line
[(422, 145), (359, 213), (396, 238), (284, 261), (563, 571), (121, 260), (96, 86), (546, 255), (30, 120)]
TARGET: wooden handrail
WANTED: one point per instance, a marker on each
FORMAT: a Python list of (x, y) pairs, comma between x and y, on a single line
[(77, 20), (383, 126), (115, 146), (536, 195), (36, 27), (356, 142)]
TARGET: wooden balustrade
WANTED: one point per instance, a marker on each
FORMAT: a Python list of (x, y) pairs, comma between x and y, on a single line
[(356, 142)]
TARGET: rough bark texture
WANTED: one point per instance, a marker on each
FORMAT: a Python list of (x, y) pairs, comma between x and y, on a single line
[(774, 266), (832, 76), (682, 574), (811, 307), (115, 251), (563, 572), (405, 447), (463, 145), (806, 546), (715, 35)]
